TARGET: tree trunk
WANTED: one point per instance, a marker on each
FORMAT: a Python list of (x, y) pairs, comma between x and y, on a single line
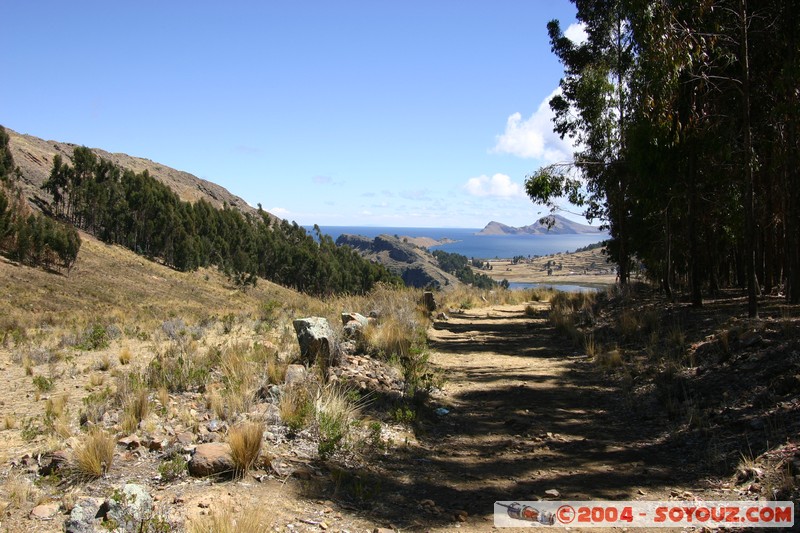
[(749, 196)]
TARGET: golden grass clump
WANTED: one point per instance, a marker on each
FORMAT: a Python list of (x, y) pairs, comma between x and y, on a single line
[(94, 455), (245, 441), (295, 407), (135, 408), (609, 359), (390, 337), (251, 520), (334, 413), (56, 415), (125, 356)]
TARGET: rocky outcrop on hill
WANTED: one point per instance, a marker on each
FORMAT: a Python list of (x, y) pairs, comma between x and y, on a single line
[(415, 265), (550, 225)]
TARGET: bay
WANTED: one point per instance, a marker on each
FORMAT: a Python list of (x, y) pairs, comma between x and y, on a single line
[(469, 244)]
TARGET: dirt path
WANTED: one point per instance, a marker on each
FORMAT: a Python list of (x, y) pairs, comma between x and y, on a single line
[(527, 414)]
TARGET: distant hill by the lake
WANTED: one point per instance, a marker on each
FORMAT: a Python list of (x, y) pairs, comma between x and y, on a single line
[(559, 226)]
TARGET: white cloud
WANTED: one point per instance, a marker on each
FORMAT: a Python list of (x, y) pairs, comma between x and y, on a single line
[(534, 137), (498, 185), (280, 212), (576, 32)]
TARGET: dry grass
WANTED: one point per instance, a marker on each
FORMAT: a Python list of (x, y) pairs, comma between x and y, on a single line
[(10, 421), (609, 359), (295, 407), (251, 520), (56, 416), (334, 413), (135, 408), (125, 356), (20, 491), (93, 456), (245, 441)]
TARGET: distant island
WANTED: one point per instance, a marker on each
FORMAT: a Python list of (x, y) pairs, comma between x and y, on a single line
[(560, 226)]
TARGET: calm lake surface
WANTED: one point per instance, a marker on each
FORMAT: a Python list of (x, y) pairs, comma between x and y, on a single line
[(478, 246)]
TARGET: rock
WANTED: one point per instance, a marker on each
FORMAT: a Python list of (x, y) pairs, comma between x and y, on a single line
[(429, 301), (316, 341), (295, 374), (45, 511), (351, 317), (185, 437), (82, 517), (211, 459), (460, 516), (383, 530), (130, 442), (353, 330), (129, 507), (53, 462), (553, 493), (216, 425)]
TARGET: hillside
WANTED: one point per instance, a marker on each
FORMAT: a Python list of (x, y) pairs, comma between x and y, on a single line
[(561, 226), (34, 157), (414, 264)]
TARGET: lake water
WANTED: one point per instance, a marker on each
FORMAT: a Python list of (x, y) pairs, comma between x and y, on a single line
[(563, 287), (478, 246)]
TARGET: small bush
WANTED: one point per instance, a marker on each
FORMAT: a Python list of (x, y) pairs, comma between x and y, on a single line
[(94, 455), (173, 469), (245, 442), (43, 383), (96, 337)]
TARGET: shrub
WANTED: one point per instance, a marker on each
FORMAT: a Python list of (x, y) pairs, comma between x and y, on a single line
[(43, 383), (173, 468), (95, 337), (245, 442)]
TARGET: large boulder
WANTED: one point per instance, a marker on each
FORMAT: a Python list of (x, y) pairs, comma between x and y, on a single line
[(211, 459), (317, 342), (128, 508), (82, 518)]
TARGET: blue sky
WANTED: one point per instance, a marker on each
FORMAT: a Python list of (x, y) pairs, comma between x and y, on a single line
[(413, 113)]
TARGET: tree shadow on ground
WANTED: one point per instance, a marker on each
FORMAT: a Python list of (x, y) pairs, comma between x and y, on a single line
[(515, 435)]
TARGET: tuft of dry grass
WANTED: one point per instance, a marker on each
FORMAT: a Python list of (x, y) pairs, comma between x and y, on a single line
[(10, 421), (334, 413), (295, 407), (245, 441), (135, 408), (93, 456), (125, 356), (609, 359), (252, 520), (56, 415), (20, 491)]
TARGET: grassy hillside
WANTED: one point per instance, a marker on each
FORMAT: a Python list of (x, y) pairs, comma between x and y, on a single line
[(109, 282)]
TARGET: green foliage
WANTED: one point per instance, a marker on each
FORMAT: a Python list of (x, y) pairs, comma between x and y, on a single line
[(173, 468), (141, 213), (43, 383), (27, 237), (96, 337), (459, 266)]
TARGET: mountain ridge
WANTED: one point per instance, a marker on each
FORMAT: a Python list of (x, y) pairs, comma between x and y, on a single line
[(560, 226), (34, 156)]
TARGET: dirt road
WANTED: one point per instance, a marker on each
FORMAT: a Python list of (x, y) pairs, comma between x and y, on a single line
[(527, 414)]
